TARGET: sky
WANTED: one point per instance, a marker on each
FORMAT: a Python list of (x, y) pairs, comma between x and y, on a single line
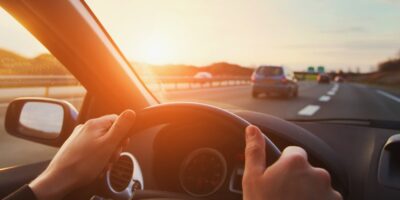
[(338, 34)]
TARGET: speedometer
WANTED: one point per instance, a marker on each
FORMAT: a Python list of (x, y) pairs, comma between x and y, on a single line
[(203, 172)]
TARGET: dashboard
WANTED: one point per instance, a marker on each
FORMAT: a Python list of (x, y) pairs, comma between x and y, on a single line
[(203, 172), (187, 159), (188, 162)]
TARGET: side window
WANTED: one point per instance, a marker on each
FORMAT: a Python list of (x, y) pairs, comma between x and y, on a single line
[(27, 69)]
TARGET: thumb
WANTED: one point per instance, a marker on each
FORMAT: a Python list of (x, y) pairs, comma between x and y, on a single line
[(255, 151), (122, 126)]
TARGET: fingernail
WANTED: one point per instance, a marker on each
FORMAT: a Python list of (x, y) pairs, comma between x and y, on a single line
[(128, 114), (251, 132)]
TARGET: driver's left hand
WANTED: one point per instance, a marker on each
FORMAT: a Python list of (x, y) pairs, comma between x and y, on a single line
[(86, 153)]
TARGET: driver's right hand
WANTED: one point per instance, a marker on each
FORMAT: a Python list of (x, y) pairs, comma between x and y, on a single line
[(291, 177)]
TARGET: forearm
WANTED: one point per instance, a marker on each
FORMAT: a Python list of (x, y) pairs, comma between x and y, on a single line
[(47, 186)]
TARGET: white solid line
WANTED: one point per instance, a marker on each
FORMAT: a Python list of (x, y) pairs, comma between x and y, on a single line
[(309, 110), (324, 98), (331, 93), (390, 96)]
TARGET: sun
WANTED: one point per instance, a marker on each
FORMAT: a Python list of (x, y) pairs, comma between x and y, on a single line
[(157, 51)]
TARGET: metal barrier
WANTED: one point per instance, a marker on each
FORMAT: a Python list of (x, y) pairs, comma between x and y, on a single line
[(67, 86), (39, 80), (34, 81), (176, 83)]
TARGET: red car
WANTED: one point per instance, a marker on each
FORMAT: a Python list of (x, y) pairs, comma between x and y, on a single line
[(323, 78)]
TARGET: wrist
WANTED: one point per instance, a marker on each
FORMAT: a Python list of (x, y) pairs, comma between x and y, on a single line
[(48, 186)]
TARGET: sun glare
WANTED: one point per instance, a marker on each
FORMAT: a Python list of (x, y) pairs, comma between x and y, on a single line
[(157, 50)]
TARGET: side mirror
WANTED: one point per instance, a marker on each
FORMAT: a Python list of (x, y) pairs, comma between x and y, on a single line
[(42, 120)]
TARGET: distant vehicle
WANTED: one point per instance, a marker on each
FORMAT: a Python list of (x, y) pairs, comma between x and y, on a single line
[(339, 79), (274, 80), (202, 78), (203, 75), (323, 78)]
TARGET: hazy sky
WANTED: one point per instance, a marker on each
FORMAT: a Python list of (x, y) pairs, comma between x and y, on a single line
[(296, 33)]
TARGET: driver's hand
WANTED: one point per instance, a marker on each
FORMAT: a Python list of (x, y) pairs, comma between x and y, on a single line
[(86, 153), (291, 177)]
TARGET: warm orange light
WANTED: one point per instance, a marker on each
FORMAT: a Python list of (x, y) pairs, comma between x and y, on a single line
[(157, 50)]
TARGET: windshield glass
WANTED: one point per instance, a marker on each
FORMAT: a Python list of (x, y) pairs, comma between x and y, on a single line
[(269, 71), (208, 51)]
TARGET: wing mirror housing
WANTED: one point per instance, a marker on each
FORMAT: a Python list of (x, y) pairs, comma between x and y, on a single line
[(42, 120)]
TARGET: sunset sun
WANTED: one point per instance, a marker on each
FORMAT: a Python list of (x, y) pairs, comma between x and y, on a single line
[(157, 50)]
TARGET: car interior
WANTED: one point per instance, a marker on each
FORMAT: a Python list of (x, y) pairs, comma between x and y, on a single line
[(175, 147)]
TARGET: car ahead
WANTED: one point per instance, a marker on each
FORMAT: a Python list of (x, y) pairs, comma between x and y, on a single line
[(339, 79), (274, 80), (323, 78), (203, 75), (361, 154)]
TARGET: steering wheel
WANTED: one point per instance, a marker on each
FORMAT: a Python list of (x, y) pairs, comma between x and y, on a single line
[(187, 113)]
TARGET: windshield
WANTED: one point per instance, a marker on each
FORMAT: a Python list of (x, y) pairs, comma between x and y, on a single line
[(269, 71), (208, 51)]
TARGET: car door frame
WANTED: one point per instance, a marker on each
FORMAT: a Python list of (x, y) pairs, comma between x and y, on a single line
[(72, 33)]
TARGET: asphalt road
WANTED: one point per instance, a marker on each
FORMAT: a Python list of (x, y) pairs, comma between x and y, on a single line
[(314, 101)]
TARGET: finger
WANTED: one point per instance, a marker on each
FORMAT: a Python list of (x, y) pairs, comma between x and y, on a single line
[(76, 131), (79, 126), (105, 122), (121, 127), (337, 195), (255, 151), (116, 155), (294, 157), (323, 176)]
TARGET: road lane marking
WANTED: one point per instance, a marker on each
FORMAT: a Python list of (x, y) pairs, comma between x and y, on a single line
[(390, 96), (333, 90), (324, 98), (309, 110)]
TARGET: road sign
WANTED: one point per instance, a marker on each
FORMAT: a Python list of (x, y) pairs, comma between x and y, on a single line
[(321, 69), (311, 69)]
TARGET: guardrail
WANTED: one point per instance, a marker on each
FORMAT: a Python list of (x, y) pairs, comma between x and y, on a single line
[(68, 80), (176, 83), (67, 86), (160, 82), (39, 80)]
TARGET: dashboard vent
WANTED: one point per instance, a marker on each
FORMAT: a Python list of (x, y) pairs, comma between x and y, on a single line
[(121, 173)]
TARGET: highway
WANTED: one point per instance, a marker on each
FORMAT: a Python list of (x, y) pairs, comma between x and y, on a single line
[(333, 100), (314, 101)]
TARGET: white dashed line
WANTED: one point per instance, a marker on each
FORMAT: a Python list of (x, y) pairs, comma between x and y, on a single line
[(334, 89), (331, 93), (390, 96), (309, 110), (324, 98)]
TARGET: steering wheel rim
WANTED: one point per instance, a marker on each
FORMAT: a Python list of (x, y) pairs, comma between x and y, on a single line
[(182, 111), (179, 112)]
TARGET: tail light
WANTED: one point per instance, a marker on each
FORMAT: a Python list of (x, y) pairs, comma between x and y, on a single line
[(284, 81), (253, 78)]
